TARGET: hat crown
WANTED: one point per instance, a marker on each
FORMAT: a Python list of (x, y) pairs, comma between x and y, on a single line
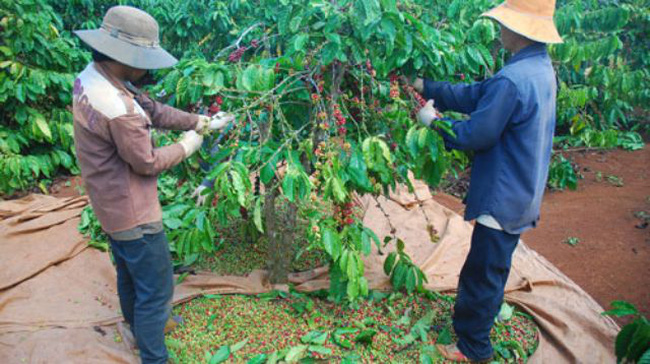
[(545, 8), (132, 25)]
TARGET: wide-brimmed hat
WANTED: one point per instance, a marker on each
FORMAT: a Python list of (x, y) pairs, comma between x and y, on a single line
[(129, 36), (531, 18)]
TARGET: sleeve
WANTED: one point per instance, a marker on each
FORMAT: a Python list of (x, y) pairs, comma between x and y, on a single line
[(131, 136), (166, 117), (486, 124), (447, 97)]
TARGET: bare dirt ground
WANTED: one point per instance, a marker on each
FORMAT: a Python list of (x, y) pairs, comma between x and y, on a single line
[(608, 214)]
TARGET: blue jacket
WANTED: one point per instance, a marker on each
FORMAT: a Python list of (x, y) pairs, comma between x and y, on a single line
[(510, 129)]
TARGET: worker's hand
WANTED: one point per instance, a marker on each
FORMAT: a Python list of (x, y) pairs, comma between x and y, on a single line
[(418, 85), (200, 197), (428, 114), (191, 142), (218, 121)]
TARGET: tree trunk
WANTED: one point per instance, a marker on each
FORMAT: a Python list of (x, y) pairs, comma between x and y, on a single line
[(280, 230)]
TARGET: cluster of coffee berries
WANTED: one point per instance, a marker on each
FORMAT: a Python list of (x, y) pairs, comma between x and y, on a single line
[(370, 69), (344, 214), (394, 87), (236, 55), (320, 152), (315, 97), (416, 95), (340, 119), (215, 107), (255, 43)]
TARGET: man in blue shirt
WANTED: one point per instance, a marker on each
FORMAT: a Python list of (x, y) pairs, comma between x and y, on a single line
[(510, 131)]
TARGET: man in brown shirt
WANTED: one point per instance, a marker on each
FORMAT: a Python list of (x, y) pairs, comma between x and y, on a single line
[(120, 164)]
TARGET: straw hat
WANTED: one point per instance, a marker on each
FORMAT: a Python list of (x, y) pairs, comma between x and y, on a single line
[(531, 18), (129, 36)]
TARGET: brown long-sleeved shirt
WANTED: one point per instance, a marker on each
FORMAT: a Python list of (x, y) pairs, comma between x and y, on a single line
[(118, 160)]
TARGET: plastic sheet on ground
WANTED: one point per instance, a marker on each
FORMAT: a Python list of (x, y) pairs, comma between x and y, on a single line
[(58, 301)]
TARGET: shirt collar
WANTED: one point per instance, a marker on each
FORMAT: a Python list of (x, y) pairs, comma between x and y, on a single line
[(119, 84), (534, 49)]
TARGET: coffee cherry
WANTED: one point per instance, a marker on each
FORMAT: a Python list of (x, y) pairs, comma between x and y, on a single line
[(214, 108)]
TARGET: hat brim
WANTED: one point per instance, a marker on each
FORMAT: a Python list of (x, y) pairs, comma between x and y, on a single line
[(537, 28), (147, 58)]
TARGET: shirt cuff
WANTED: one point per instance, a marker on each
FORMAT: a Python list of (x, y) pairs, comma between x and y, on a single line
[(430, 88)]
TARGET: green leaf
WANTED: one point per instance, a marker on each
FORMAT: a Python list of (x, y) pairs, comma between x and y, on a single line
[(353, 289), (624, 339), (411, 280), (296, 353), (300, 41), (351, 270), (221, 355), (506, 312), (398, 279), (330, 52), (363, 286), (294, 25), (314, 337), (238, 346), (41, 124), (445, 337), (249, 77), (365, 337), (20, 92), (366, 247), (173, 223), (259, 359), (331, 243), (372, 10), (288, 186), (640, 341), (340, 340), (412, 141), (257, 215), (337, 189), (389, 263), (240, 188), (621, 308), (322, 350)]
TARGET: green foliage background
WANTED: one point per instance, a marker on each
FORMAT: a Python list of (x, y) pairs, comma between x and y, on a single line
[(602, 66)]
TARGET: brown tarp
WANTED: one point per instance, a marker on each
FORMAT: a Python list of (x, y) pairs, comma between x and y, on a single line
[(58, 300)]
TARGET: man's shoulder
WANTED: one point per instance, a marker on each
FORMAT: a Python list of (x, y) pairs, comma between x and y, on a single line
[(526, 69), (97, 92)]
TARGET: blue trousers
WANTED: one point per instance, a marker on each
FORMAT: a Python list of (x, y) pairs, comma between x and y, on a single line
[(480, 289), (145, 286)]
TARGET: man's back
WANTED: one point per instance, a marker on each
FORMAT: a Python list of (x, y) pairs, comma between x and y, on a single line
[(508, 179)]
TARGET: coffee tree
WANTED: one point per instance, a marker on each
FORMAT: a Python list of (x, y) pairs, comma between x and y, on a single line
[(37, 69), (325, 112)]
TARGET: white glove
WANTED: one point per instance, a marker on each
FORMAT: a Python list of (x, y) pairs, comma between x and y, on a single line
[(200, 198), (418, 85), (191, 142), (218, 121), (428, 113)]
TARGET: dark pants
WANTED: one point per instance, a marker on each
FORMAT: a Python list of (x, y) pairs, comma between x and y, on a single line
[(480, 289), (145, 286)]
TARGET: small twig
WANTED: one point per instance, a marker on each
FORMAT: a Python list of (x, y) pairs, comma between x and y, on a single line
[(237, 43), (393, 230), (581, 149)]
